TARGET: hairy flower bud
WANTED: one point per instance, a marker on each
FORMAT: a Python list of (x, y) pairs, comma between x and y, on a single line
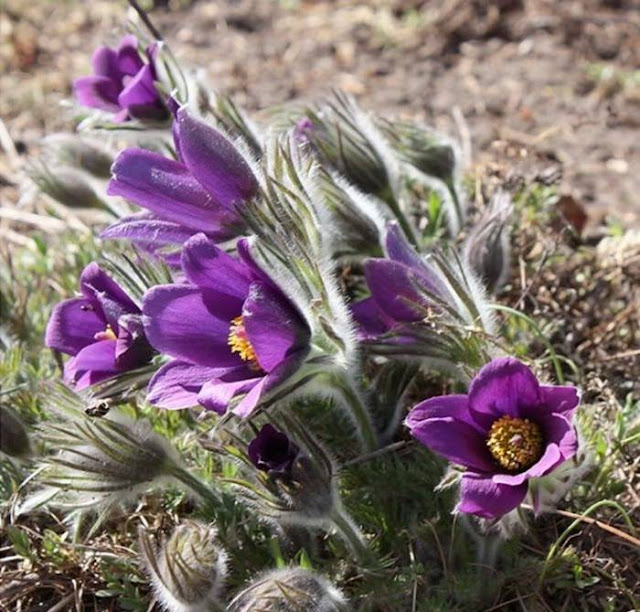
[(69, 186), (101, 462), (486, 250), (289, 590), (188, 569), (14, 440), (78, 152), (345, 138)]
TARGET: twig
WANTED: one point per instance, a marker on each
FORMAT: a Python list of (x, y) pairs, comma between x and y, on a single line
[(591, 521), (145, 19)]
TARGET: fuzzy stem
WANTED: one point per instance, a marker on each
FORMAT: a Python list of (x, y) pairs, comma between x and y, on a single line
[(350, 533), (389, 197), (457, 206), (358, 411), (196, 486)]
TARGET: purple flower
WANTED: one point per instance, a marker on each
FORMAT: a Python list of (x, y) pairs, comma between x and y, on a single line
[(102, 330), (123, 83), (507, 430), (271, 451), (399, 285), (198, 193), (230, 328)]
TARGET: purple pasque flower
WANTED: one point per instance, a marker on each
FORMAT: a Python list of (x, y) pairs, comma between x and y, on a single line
[(102, 330), (271, 451), (230, 329), (400, 286), (123, 83), (198, 193), (507, 430)]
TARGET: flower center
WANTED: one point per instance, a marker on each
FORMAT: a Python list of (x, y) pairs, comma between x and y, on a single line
[(239, 342), (107, 334), (515, 444)]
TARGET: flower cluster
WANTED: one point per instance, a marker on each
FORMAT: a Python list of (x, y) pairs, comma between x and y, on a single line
[(297, 263)]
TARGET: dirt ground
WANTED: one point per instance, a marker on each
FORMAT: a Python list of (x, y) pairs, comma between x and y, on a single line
[(535, 88)]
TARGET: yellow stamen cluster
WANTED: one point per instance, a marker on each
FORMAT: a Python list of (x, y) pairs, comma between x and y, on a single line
[(239, 342), (515, 444)]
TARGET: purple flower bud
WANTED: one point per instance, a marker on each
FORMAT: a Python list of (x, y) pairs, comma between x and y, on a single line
[(271, 451)]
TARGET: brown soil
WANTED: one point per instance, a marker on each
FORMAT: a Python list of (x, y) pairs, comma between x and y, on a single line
[(544, 88)]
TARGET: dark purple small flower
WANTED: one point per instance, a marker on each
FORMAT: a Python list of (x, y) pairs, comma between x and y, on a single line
[(400, 286), (507, 430), (230, 328), (102, 331), (271, 451), (198, 193), (123, 83)]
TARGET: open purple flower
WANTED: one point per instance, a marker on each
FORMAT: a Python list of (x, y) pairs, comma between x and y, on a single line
[(400, 287), (197, 193), (271, 451), (230, 328), (507, 430), (123, 83), (102, 330)]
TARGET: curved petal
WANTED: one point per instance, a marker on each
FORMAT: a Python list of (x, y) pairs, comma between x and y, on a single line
[(250, 400), (394, 287), (481, 496), (105, 294), (454, 440), (105, 64), (73, 325), (549, 460), (216, 394), (559, 399), (274, 326), (97, 92), (128, 58), (179, 323), (206, 265), (372, 322), (176, 385), (454, 406), (93, 364), (398, 247), (146, 228), (559, 430), (214, 161), (141, 98), (166, 188), (504, 386)]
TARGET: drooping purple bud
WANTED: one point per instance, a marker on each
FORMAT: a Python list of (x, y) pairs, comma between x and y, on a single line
[(271, 451)]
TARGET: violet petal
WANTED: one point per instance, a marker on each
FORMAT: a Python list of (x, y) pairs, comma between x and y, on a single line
[(481, 496)]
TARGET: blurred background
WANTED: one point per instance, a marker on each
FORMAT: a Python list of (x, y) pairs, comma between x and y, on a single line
[(535, 90)]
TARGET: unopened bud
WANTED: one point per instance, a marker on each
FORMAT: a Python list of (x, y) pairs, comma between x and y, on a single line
[(68, 186), (103, 462), (290, 590), (78, 152), (14, 439), (187, 570), (486, 250), (431, 153)]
